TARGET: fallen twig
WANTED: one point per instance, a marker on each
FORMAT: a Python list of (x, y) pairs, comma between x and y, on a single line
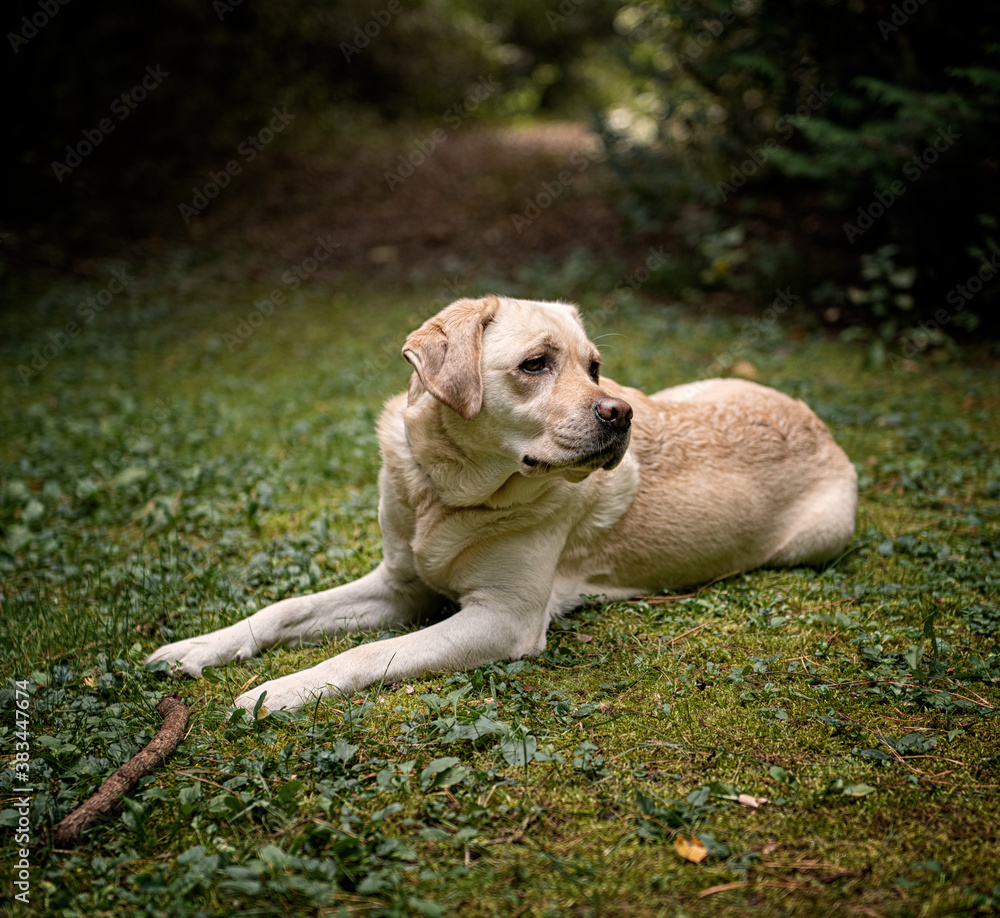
[(674, 640), (123, 779), (745, 884), (655, 600)]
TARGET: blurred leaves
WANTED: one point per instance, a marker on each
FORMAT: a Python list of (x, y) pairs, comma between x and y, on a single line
[(891, 123)]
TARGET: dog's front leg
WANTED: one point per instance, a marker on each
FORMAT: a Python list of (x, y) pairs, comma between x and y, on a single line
[(382, 597), (486, 629)]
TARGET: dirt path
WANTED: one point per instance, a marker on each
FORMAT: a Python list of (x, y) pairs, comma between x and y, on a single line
[(482, 197)]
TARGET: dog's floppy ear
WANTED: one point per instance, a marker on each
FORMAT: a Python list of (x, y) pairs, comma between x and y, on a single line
[(446, 351)]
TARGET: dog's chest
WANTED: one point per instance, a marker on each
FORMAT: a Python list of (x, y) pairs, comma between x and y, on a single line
[(451, 547), (460, 550)]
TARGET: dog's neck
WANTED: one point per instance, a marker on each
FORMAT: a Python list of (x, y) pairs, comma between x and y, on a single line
[(464, 477)]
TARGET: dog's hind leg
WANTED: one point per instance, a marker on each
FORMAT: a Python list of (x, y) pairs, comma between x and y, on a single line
[(822, 529)]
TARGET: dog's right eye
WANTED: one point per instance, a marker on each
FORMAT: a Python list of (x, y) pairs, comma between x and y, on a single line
[(535, 364)]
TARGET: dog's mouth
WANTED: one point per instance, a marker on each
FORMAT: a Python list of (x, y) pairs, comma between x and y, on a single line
[(607, 457)]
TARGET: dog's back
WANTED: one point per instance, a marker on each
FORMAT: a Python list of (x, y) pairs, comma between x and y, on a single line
[(733, 475)]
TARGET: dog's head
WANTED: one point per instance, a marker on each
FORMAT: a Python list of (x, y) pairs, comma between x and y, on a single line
[(520, 381)]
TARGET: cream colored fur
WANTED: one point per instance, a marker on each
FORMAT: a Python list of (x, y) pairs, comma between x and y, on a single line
[(513, 484)]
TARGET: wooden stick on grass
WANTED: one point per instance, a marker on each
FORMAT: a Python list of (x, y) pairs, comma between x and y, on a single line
[(124, 779)]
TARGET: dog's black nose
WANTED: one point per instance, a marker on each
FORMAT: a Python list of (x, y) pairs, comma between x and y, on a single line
[(614, 411)]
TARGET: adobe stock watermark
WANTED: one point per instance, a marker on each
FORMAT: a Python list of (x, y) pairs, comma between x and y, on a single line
[(129, 440), (23, 792), (292, 278), (46, 12), (913, 170), (750, 333), (421, 150), (760, 154), (698, 43), (550, 192), (224, 7), (122, 106), (389, 352), (918, 339), (656, 258), (558, 15), (366, 34), (902, 13), (87, 310), (249, 148)]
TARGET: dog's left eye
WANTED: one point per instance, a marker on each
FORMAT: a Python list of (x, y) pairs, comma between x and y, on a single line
[(535, 364), (595, 370)]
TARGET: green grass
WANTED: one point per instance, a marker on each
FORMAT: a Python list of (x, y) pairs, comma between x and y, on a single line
[(156, 485)]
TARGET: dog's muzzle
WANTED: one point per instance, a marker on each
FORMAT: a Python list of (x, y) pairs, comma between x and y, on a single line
[(606, 450)]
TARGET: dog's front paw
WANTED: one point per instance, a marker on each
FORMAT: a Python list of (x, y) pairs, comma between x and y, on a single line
[(192, 655), (188, 657), (290, 693)]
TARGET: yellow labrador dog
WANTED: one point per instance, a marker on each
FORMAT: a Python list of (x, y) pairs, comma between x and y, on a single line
[(515, 480)]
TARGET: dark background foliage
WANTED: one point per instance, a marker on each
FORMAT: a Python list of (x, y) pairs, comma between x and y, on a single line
[(686, 92), (875, 86)]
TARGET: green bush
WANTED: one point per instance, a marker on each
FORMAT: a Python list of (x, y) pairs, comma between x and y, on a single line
[(891, 113)]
